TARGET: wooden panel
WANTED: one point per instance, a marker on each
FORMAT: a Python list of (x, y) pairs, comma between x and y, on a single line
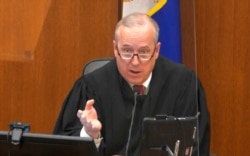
[(222, 54), (72, 33), (187, 9), (20, 27)]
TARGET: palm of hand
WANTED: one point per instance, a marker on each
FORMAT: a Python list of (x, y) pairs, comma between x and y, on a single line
[(89, 120)]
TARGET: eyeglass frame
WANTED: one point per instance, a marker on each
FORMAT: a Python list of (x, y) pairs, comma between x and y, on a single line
[(134, 54)]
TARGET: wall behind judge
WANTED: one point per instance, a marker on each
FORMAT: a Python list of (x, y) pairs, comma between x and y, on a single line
[(44, 45), (223, 53)]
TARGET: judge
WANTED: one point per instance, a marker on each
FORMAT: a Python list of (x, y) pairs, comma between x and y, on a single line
[(101, 104)]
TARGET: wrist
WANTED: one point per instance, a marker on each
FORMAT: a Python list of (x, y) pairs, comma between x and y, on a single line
[(97, 136), (98, 141)]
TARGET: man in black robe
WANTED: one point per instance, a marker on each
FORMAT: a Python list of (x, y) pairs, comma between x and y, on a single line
[(101, 104)]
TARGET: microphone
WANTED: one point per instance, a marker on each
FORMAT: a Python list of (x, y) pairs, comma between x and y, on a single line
[(136, 92)]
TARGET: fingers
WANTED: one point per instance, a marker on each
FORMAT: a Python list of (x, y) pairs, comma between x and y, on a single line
[(89, 104), (88, 114), (79, 113)]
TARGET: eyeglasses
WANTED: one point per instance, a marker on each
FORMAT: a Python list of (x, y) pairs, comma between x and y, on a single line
[(127, 53)]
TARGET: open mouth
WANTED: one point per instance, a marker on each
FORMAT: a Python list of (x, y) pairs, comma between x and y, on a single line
[(134, 71)]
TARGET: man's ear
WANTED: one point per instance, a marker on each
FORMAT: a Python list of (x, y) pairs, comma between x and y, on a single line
[(157, 49), (115, 47)]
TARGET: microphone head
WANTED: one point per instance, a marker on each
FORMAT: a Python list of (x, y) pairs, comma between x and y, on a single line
[(136, 89)]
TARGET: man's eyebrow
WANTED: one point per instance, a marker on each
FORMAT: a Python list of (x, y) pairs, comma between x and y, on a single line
[(126, 45), (144, 47)]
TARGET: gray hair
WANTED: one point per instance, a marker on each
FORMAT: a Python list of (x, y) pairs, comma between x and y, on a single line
[(137, 19)]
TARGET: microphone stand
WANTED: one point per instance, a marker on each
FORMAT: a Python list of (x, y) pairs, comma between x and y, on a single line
[(136, 91)]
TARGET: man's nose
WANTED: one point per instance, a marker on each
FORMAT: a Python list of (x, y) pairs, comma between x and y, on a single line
[(135, 59)]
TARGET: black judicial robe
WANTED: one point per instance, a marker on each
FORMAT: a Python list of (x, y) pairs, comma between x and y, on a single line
[(174, 90)]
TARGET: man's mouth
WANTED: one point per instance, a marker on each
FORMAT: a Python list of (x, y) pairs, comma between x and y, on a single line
[(134, 71)]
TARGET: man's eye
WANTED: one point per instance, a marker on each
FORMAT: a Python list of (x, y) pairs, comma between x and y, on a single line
[(143, 51), (127, 50)]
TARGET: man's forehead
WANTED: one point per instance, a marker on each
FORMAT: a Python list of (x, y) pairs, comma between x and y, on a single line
[(132, 46)]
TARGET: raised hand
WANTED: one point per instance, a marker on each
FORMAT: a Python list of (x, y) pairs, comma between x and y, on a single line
[(89, 119)]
